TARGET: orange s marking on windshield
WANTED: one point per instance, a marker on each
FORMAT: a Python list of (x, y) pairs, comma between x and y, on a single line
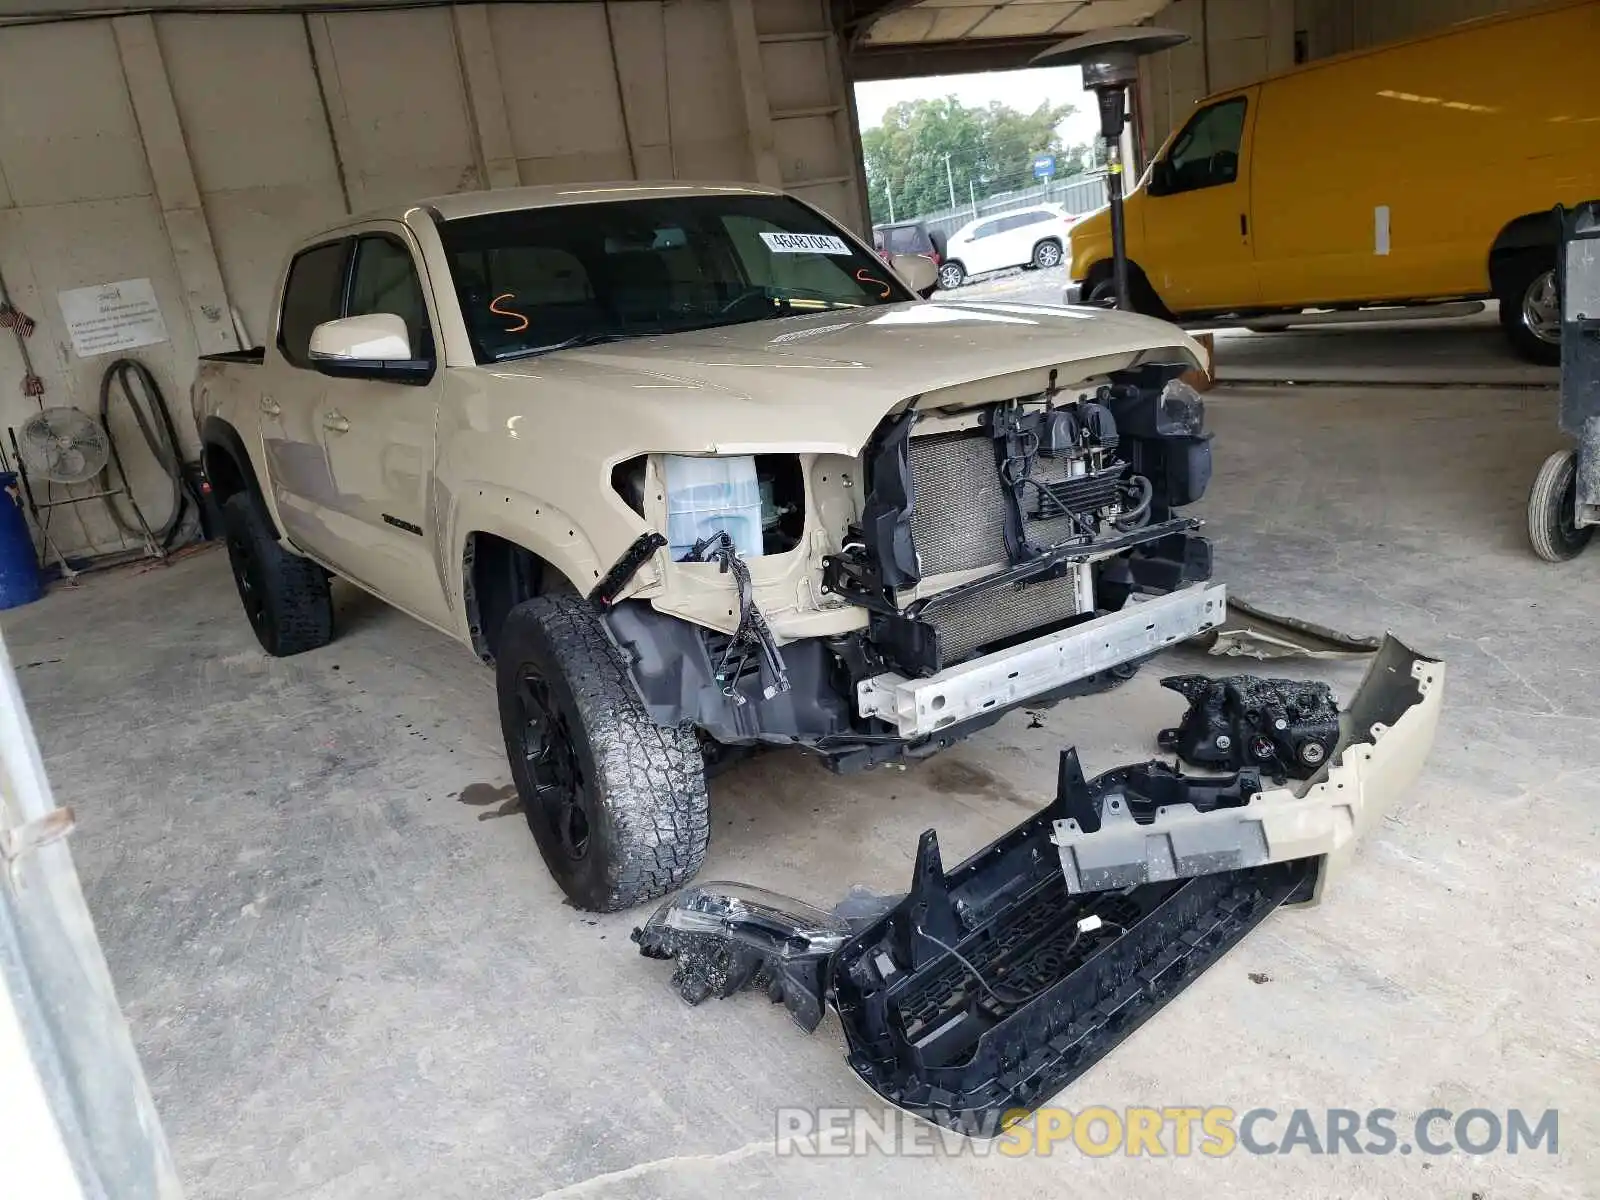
[(866, 276), (508, 312)]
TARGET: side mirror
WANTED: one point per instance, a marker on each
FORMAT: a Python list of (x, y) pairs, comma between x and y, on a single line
[(918, 271), (373, 346)]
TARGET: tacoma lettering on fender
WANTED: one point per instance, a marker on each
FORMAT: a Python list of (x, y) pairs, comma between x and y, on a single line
[(698, 472)]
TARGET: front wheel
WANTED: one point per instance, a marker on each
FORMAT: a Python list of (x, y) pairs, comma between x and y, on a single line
[(1530, 309), (1553, 510), (951, 276), (1047, 255), (616, 803)]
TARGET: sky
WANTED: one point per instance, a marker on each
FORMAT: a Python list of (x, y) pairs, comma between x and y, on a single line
[(1022, 90)]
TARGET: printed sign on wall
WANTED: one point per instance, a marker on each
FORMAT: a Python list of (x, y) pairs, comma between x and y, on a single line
[(112, 316)]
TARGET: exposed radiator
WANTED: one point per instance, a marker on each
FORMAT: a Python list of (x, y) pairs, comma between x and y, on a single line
[(958, 524), (959, 520), (1004, 612)]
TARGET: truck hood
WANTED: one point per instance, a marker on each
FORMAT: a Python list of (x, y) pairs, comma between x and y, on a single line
[(821, 382)]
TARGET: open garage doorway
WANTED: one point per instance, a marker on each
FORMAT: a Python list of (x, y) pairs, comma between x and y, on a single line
[(1320, 255)]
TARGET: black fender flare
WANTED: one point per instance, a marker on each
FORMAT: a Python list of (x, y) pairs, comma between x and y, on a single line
[(1531, 231), (219, 438)]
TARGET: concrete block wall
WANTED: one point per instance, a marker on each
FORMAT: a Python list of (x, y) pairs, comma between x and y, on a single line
[(194, 150)]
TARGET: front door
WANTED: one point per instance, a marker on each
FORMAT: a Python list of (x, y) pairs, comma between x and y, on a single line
[(291, 398), (1195, 246), (378, 436)]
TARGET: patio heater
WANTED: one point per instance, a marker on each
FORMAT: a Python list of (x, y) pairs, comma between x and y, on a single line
[(1109, 58)]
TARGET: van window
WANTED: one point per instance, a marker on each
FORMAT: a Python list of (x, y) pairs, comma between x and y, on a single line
[(1206, 153), (386, 282), (313, 294)]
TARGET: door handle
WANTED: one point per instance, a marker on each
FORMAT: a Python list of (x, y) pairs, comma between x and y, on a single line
[(270, 406), (333, 419), (1244, 226)]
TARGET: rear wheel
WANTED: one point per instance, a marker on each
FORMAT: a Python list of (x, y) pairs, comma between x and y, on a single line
[(951, 276), (285, 597), (1552, 510), (1047, 255), (1530, 307), (616, 803)]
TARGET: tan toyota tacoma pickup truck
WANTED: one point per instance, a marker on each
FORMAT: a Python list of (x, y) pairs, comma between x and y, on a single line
[(697, 471)]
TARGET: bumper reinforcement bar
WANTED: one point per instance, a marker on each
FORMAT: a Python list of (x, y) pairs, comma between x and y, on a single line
[(920, 707)]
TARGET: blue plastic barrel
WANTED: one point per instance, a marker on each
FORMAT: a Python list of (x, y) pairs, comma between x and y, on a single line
[(19, 570)]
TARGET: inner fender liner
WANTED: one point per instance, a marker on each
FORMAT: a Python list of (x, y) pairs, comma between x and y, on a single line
[(1384, 738), (672, 666)]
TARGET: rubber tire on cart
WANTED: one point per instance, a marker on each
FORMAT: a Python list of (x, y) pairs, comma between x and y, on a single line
[(285, 597), (951, 275), (1552, 510), (616, 803), (1047, 254), (1527, 293)]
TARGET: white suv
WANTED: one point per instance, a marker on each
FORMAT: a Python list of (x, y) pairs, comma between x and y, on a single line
[(1027, 237)]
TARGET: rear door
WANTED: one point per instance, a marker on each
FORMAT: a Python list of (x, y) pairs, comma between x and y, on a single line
[(1196, 246), (1031, 227), (291, 398), (984, 251), (378, 437)]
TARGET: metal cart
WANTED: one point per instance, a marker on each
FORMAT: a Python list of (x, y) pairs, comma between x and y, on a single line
[(1564, 505)]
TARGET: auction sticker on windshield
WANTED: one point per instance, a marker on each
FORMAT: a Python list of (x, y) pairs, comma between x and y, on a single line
[(805, 243)]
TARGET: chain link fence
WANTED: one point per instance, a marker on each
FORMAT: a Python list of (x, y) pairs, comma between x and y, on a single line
[(1077, 194)]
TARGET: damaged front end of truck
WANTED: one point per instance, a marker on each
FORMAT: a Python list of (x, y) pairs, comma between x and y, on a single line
[(986, 989), (994, 542)]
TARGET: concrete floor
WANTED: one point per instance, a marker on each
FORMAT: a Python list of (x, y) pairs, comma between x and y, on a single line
[(345, 982), (1465, 350)]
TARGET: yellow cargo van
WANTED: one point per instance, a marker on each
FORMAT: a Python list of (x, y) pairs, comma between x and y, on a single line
[(1419, 171)]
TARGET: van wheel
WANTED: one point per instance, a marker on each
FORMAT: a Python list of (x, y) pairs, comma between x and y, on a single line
[(616, 803), (1140, 294), (951, 276), (1047, 255), (285, 597), (1552, 510), (1530, 308)]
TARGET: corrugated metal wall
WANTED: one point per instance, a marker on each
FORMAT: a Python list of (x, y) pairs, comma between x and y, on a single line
[(194, 150)]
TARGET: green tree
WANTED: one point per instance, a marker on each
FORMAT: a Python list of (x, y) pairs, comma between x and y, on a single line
[(990, 148)]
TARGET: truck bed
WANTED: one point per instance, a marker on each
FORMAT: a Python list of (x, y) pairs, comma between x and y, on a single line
[(256, 355)]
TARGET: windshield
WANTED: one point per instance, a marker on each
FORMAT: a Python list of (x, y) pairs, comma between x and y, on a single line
[(543, 279)]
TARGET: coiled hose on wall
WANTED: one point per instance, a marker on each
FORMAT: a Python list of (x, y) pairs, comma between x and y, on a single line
[(154, 419)]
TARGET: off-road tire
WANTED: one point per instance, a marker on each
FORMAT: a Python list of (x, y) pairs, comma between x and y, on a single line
[(285, 597), (647, 819), (1517, 278), (1552, 523)]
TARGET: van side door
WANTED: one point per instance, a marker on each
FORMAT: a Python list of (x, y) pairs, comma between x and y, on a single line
[(1196, 246), (378, 437)]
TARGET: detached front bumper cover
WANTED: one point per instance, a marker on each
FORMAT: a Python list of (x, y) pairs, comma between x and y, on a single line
[(988, 988), (1385, 735)]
